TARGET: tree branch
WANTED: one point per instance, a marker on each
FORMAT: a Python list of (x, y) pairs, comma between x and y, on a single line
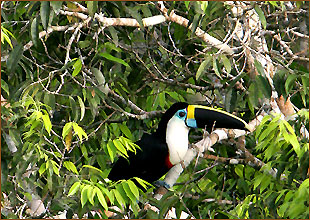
[(129, 22), (199, 32)]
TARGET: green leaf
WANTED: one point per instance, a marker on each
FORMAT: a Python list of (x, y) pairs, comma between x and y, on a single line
[(289, 196), (38, 114), (82, 106), (263, 85), (84, 44), (70, 166), (213, 177), (56, 5), (230, 100), (303, 97), (133, 188), (203, 5), (69, 64), (114, 34), (92, 7), (280, 195), (45, 13), (239, 170), (79, 131), (100, 79), (142, 182), (262, 125), (94, 168), (125, 130), (123, 83), (133, 146), (226, 63), (267, 131), (187, 4), (257, 180), (49, 166), (111, 150), (91, 192), (265, 183), (120, 147), (73, 108), (74, 188), (291, 138), (14, 57), (162, 99), (5, 36), (175, 96), (146, 11), (273, 3), (289, 83), (261, 15), (115, 59), (34, 32), (215, 68), (66, 129), (55, 167), (84, 197), (42, 168), (5, 87), (235, 80), (47, 123), (111, 46), (253, 95), (288, 126), (299, 3), (283, 208), (304, 187), (128, 191), (77, 66), (202, 67), (101, 198), (120, 90), (305, 83), (126, 142), (108, 193), (118, 197), (259, 67), (195, 23), (49, 99)]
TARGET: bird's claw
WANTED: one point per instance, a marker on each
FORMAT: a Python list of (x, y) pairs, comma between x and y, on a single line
[(160, 183)]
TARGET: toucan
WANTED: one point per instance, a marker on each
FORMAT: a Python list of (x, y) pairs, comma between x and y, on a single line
[(167, 147)]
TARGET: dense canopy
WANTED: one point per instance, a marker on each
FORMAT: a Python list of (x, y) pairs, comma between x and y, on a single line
[(82, 81)]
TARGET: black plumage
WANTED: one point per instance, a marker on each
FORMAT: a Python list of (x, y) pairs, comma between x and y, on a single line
[(151, 162), (147, 164)]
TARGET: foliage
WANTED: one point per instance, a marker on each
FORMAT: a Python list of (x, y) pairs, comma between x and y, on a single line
[(76, 99)]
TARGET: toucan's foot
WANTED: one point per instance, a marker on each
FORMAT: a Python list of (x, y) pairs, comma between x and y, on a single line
[(160, 183)]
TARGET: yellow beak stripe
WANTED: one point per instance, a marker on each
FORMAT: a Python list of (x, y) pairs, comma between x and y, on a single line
[(191, 112)]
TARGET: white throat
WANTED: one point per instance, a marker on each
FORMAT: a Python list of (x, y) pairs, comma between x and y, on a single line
[(177, 139)]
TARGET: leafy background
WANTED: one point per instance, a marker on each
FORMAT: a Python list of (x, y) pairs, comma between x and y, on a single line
[(75, 99)]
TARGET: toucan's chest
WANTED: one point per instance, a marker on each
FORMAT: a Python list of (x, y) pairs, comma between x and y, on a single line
[(177, 140)]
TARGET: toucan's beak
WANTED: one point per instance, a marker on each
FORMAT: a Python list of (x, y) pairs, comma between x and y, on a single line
[(199, 116)]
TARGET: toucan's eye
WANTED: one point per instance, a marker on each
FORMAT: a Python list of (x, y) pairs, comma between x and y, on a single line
[(182, 114)]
